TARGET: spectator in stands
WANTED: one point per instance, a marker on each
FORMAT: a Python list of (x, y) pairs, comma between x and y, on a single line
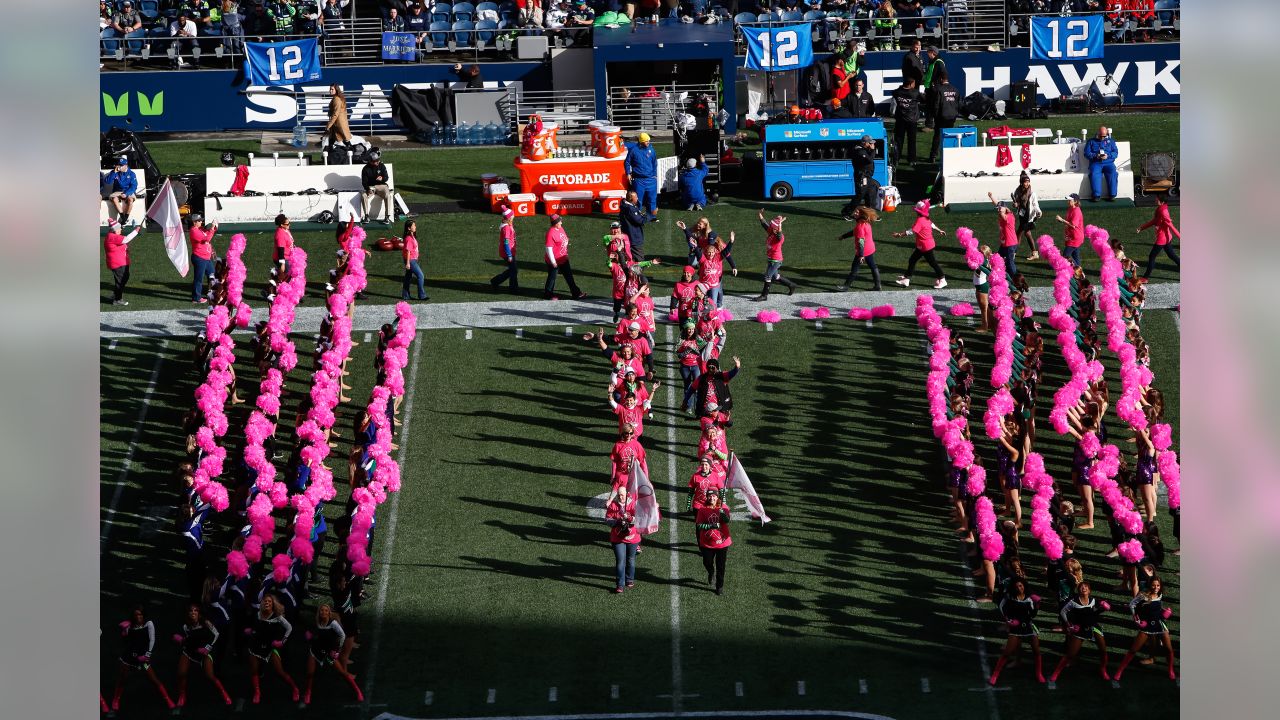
[(1143, 14), (906, 113), (908, 12), (331, 19), (232, 26), (1101, 152), (885, 23), (284, 14), (185, 30), (260, 24), (393, 23), (860, 103), (581, 16), (127, 23), (373, 178), (934, 63), (307, 20), (120, 188), (531, 13), (913, 63), (418, 22), (201, 14), (470, 76), (556, 17), (1118, 16), (693, 196), (946, 110)]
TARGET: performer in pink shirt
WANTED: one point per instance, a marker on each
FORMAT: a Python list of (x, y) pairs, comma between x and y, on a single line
[(773, 241), (626, 451), (630, 412), (712, 523), (1073, 232), (623, 536), (201, 256), (1165, 232), (557, 258), (922, 231)]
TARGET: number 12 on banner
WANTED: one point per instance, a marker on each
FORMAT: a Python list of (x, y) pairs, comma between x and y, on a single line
[(785, 44), (779, 48), (1058, 38), (292, 55)]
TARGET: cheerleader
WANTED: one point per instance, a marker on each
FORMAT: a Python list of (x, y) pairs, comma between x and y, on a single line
[(864, 248), (139, 640), (1010, 455), (348, 594), (325, 645), (1080, 622), (1149, 613), (267, 635), (1082, 467), (197, 639), (1144, 476), (1018, 610), (982, 289)]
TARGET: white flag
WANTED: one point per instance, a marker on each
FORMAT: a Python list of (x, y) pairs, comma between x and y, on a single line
[(639, 487), (165, 212), (738, 480)]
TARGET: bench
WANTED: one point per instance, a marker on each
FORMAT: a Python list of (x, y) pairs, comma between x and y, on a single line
[(138, 213), (345, 179), (1052, 188)]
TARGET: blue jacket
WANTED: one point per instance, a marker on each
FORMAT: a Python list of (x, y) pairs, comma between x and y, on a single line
[(691, 190), (125, 182), (632, 218), (1095, 146), (641, 162)]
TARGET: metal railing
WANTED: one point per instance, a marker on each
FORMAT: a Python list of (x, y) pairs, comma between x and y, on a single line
[(633, 108), (157, 43), (1126, 26), (571, 110)]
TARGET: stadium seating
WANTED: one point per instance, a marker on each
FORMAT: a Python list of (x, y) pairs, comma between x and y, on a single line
[(149, 9), (439, 30), (932, 19), (768, 17), (486, 31), (507, 11), (463, 30), (744, 18), (792, 16), (441, 12), (464, 12)]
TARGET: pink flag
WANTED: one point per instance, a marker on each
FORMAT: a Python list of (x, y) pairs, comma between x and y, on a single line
[(738, 480), (164, 210), (639, 487)]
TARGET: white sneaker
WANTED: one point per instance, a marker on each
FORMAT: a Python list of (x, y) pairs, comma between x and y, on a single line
[(942, 282), (903, 281)]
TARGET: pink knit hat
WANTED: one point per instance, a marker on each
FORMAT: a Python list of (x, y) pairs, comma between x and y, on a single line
[(922, 207)]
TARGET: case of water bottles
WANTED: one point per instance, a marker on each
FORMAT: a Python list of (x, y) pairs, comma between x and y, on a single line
[(470, 134)]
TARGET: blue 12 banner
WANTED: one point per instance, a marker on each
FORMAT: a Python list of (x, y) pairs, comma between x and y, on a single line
[(1067, 37), (787, 47), (282, 63)]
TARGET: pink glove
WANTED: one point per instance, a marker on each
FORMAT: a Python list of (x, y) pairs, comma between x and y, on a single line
[(144, 658), (307, 634), (1035, 599), (1014, 623), (124, 624), (1168, 613), (203, 651), (177, 637), (333, 654), (277, 644), (1142, 623), (1074, 628), (1105, 605)]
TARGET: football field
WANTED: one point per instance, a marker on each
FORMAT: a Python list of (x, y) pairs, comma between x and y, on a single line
[(491, 593)]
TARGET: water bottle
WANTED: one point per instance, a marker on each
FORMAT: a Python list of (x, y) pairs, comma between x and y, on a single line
[(495, 134), (465, 133), (437, 134), (450, 135), (299, 136)]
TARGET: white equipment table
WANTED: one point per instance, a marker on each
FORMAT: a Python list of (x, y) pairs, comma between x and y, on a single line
[(960, 189), (138, 213), (345, 179)]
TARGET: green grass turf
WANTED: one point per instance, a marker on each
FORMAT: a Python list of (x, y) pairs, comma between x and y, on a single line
[(498, 579)]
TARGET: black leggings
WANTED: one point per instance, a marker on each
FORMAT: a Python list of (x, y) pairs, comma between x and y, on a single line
[(1155, 251), (714, 561), (871, 263), (928, 257)]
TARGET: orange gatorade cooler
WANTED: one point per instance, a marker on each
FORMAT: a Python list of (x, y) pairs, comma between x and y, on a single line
[(593, 127), (611, 141), (523, 204), (498, 196), (553, 135), (611, 201)]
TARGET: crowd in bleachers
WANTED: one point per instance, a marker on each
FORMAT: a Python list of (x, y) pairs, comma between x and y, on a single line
[(1128, 20)]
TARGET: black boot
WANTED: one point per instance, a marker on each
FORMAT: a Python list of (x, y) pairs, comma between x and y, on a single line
[(764, 293), (791, 287)]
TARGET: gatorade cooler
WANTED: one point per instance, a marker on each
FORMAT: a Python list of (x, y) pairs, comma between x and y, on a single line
[(889, 199), (572, 202), (611, 141), (523, 204), (498, 196), (611, 201), (488, 179), (593, 127), (553, 134)]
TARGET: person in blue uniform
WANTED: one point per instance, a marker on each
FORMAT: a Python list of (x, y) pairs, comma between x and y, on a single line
[(1080, 617), (196, 640), (1149, 613), (1019, 609), (139, 640), (325, 646), (693, 196), (1101, 152), (641, 166)]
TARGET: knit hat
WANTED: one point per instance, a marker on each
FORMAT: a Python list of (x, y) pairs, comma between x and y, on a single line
[(922, 208), (643, 137), (508, 212), (691, 269)]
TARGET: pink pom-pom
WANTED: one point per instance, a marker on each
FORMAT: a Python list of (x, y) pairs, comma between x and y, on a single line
[(361, 567), (977, 482), (1161, 436), (281, 565), (763, 316), (882, 311), (961, 310), (808, 313), (859, 313), (724, 315), (237, 564), (823, 313), (253, 548), (1130, 551), (673, 316)]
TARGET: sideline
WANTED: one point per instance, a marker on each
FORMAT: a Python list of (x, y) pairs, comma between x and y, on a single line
[(133, 445)]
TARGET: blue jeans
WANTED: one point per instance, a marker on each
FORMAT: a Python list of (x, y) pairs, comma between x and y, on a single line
[(690, 374), (625, 562), (647, 192), (717, 294), (772, 270), (1097, 169), (203, 269), (1072, 254), (414, 272), (1010, 255)]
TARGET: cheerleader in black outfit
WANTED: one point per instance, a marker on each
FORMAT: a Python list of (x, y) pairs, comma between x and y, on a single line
[(266, 636), (1080, 622), (326, 642), (348, 593), (1019, 609), (197, 639), (1149, 613), (139, 640)]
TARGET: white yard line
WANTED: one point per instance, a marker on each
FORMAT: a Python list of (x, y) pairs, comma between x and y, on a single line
[(388, 543), (109, 520), (673, 507)]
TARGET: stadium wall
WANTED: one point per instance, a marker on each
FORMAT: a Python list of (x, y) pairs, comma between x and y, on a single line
[(212, 100)]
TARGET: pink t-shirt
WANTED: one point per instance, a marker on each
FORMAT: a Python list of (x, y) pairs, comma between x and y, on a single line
[(619, 280), (1008, 230), (202, 243), (863, 233), (923, 229), (410, 251), (717, 537), (630, 416), (558, 241), (284, 243), (710, 270), (1165, 230), (773, 246), (1075, 227), (700, 484), (683, 294), (630, 535), (117, 250), (644, 303), (508, 233), (624, 452)]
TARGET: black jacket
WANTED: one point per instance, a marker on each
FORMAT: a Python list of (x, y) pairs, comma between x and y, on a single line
[(864, 162), (862, 106), (373, 174), (632, 220), (948, 107), (907, 104), (913, 67)]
